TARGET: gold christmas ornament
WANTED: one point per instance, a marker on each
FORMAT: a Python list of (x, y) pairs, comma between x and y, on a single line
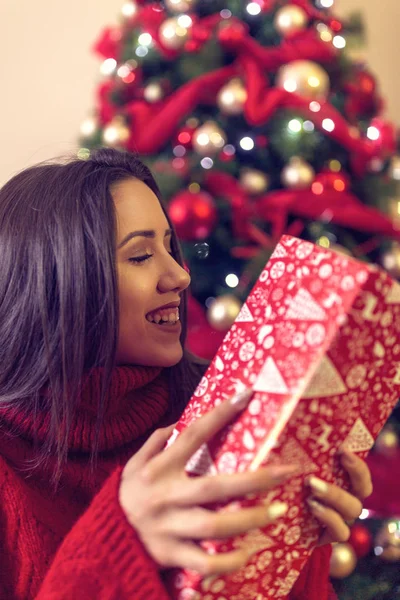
[(298, 174), (208, 139), (116, 133), (343, 561), (153, 92), (387, 541), (388, 441), (174, 31), (391, 260), (253, 181), (232, 97), (180, 6), (223, 311), (305, 78), (290, 19)]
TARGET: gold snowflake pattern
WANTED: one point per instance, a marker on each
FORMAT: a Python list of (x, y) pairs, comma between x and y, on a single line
[(360, 340)]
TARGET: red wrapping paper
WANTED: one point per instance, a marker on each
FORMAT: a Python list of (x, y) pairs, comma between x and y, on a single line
[(318, 340)]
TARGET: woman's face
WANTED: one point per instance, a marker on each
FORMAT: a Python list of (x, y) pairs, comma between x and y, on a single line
[(148, 279)]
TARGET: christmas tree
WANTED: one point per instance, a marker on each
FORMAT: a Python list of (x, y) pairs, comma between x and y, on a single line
[(256, 122)]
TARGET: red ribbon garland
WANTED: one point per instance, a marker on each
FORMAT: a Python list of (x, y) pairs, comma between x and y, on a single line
[(262, 103), (341, 208), (150, 123), (152, 126)]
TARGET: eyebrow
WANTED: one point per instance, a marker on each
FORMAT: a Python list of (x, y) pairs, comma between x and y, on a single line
[(147, 233)]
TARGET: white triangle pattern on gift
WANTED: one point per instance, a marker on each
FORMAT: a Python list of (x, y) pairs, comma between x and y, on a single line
[(326, 381), (270, 379), (254, 541), (244, 315), (279, 251), (359, 438), (393, 296), (201, 462), (303, 306), (293, 453)]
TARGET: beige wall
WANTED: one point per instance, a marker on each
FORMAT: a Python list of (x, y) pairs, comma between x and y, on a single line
[(382, 18), (48, 74)]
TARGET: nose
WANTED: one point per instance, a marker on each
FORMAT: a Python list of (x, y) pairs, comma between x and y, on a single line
[(174, 278)]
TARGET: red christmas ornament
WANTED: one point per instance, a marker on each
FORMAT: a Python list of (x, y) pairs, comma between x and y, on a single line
[(151, 16), (383, 135), (363, 98), (360, 539), (265, 5), (193, 214), (329, 180)]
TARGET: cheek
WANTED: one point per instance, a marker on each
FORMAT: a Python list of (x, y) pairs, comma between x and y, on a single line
[(134, 299)]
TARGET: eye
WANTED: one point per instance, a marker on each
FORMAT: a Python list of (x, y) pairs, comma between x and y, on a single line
[(140, 259)]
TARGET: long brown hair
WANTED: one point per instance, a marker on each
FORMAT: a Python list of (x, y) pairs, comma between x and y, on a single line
[(58, 289)]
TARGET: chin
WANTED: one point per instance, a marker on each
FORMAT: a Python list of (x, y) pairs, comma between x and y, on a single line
[(163, 358)]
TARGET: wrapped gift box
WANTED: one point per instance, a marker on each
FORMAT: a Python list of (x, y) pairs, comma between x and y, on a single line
[(318, 339)]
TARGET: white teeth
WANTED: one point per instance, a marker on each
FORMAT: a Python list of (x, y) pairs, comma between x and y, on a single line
[(171, 318)]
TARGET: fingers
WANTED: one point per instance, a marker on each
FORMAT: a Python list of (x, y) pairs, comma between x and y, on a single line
[(344, 503), (336, 529), (188, 555), (150, 448), (221, 488), (202, 524), (192, 438), (359, 474)]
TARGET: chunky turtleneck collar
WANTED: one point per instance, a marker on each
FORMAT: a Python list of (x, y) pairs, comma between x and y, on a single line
[(137, 400)]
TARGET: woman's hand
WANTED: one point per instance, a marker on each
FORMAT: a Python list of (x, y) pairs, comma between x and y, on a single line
[(333, 507), (166, 507)]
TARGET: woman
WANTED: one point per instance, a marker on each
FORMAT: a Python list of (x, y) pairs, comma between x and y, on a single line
[(90, 383)]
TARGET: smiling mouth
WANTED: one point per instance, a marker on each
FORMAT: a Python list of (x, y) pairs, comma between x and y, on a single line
[(167, 317)]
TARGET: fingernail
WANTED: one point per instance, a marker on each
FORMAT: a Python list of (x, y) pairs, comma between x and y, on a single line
[(314, 505), (241, 399), (282, 472), (317, 485), (277, 509)]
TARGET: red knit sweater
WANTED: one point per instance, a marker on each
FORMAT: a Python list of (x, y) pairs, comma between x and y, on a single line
[(77, 543)]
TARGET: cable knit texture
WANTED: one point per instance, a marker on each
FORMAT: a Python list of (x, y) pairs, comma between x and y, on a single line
[(77, 542)]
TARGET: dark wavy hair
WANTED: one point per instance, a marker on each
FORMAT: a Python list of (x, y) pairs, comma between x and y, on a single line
[(58, 289)]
